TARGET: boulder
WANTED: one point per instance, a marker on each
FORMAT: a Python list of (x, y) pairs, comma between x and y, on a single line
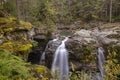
[(50, 51), (82, 48)]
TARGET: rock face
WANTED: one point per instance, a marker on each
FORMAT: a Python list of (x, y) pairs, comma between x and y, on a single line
[(15, 37), (82, 47), (49, 53)]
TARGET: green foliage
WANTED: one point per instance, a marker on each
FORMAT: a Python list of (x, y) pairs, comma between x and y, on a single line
[(80, 75), (63, 10), (34, 44), (46, 11), (117, 18), (12, 67), (9, 25), (86, 55), (112, 67), (25, 47), (16, 42), (10, 7), (38, 70)]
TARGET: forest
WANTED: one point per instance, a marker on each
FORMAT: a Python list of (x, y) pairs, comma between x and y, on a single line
[(59, 39)]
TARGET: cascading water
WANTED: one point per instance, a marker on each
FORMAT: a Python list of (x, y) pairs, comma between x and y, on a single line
[(101, 61), (60, 67), (43, 55)]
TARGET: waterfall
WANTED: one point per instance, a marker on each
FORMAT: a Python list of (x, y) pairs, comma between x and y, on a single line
[(60, 68), (43, 55), (101, 61)]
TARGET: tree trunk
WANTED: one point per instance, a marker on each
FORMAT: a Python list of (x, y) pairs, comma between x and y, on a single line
[(18, 11), (110, 10)]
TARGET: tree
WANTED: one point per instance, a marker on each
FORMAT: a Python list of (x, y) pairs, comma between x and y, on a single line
[(110, 10), (18, 11)]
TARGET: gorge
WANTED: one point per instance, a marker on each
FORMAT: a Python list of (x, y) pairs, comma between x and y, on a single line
[(82, 52), (59, 39)]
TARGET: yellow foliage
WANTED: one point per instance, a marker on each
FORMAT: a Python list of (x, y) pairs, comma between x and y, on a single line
[(45, 79), (32, 79), (25, 25), (8, 46), (112, 67), (5, 20), (12, 18), (9, 25), (43, 71), (15, 46), (8, 30), (25, 47)]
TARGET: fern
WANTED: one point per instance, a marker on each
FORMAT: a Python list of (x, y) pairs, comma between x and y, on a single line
[(12, 67)]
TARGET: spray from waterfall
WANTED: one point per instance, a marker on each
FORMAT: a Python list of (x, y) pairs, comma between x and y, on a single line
[(60, 68), (42, 59), (101, 61)]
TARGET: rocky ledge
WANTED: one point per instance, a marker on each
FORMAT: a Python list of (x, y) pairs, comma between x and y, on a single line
[(82, 47)]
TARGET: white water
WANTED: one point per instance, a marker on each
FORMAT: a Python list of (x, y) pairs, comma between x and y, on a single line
[(101, 61), (60, 67), (43, 55)]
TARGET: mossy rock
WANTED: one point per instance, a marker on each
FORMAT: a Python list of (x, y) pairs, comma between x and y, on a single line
[(25, 47), (10, 25), (5, 20), (25, 25), (15, 46), (41, 72), (20, 48), (7, 46)]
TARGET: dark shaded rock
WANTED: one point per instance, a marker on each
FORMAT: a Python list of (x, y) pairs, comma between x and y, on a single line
[(82, 47), (34, 56), (50, 51), (39, 38), (81, 55)]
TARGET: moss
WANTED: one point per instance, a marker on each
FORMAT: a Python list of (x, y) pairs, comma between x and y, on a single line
[(87, 56), (8, 30), (25, 47), (5, 20), (25, 25), (8, 46), (10, 25), (15, 38), (16, 46), (41, 70)]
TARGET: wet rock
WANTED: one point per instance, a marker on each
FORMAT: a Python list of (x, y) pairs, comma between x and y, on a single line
[(82, 46), (39, 37), (50, 51), (81, 53), (34, 56)]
